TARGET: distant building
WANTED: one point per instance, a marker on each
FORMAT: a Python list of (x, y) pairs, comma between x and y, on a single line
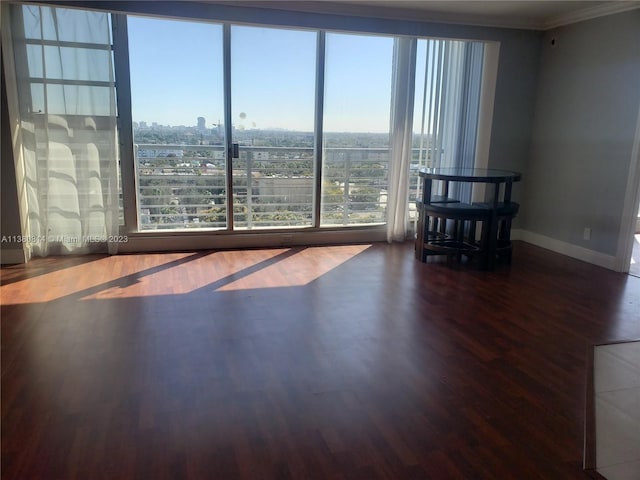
[(291, 189), (201, 123), (159, 152)]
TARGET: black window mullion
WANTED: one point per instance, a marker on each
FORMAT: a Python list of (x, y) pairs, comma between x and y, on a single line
[(125, 125), (228, 129), (318, 128)]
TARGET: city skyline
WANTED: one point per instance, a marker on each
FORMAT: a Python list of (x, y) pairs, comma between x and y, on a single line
[(273, 77), (211, 126), (194, 126)]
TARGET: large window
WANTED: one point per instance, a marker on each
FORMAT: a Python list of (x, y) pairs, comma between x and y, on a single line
[(243, 128)]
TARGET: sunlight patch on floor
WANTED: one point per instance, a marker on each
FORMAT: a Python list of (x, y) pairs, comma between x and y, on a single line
[(297, 270), (254, 269), (78, 278), (188, 276), (180, 273)]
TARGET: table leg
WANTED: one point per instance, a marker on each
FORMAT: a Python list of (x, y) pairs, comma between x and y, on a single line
[(420, 234), (492, 243)]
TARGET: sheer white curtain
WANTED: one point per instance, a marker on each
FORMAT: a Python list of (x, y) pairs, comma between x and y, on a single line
[(67, 117), (402, 94)]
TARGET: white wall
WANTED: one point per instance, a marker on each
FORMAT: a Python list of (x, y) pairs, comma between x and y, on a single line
[(586, 112)]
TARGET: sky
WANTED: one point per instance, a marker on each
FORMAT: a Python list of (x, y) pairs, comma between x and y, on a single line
[(176, 76)]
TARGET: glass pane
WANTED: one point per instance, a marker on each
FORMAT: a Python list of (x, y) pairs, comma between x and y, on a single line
[(177, 107), (69, 63), (67, 25), (80, 100), (37, 98), (273, 92), (356, 129)]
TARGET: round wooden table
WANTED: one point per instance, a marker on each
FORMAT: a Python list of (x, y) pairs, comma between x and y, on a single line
[(498, 205)]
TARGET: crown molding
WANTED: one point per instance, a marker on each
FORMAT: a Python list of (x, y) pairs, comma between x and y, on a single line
[(385, 9), (588, 13)]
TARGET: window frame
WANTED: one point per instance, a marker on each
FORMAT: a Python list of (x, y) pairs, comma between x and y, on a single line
[(227, 15)]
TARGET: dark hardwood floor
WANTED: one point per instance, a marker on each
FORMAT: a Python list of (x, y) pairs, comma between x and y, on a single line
[(350, 362)]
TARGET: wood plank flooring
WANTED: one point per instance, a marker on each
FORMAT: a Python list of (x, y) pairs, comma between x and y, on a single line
[(347, 362)]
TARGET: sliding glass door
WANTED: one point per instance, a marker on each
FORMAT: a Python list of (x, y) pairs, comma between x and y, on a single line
[(177, 107), (178, 119), (273, 79)]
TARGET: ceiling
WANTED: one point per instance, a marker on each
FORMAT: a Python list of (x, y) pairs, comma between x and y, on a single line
[(536, 15)]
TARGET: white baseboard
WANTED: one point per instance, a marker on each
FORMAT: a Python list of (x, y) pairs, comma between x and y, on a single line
[(516, 234), (564, 248), (11, 256)]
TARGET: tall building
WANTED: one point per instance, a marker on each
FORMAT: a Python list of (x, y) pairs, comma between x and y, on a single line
[(201, 123)]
